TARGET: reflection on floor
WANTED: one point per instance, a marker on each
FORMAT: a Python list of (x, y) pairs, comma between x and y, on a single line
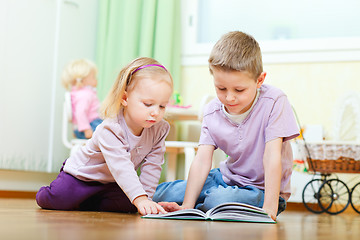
[(22, 219)]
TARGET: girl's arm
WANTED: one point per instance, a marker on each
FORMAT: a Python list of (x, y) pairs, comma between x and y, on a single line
[(151, 166), (273, 170), (151, 170), (198, 173)]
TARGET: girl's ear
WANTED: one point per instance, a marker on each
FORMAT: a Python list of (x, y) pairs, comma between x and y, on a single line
[(261, 79), (124, 99)]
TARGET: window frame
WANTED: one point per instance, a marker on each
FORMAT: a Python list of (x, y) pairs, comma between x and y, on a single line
[(273, 51)]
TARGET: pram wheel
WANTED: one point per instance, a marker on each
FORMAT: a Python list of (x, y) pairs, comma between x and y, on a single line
[(311, 196), (335, 196), (355, 197)]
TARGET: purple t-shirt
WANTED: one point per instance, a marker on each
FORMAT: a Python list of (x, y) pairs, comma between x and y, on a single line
[(271, 117)]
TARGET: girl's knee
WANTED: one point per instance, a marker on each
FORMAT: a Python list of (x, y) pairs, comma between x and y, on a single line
[(41, 197), (46, 199)]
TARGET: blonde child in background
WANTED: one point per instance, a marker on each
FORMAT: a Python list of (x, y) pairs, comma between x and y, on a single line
[(102, 175), (79, 77), (252, 123)]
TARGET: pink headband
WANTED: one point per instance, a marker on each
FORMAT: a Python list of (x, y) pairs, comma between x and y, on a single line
[(149, 65)]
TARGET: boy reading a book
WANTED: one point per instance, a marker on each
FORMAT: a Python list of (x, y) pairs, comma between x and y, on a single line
[(252, 123)]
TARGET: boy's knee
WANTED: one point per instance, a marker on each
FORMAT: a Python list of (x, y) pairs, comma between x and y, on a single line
[(170, 192), (219, 195), (213, 197)]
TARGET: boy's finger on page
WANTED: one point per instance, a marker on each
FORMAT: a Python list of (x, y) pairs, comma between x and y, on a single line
[(173, 205), (163, 203), (176, 207), (161, 209), (166, 205)]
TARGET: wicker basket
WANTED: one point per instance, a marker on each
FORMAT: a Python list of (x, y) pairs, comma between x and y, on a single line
[(334, 157), (341, 165)]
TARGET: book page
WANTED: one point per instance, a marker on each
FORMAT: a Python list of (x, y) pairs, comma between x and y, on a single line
[(181, 214), (234, 206), (238, 212), (224, 212)]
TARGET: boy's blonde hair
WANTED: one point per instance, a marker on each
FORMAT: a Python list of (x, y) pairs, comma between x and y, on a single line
[(127, 80), (237, 51), (75, 71)]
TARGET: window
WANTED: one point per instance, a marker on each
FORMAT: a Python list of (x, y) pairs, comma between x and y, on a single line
[(287, 30)]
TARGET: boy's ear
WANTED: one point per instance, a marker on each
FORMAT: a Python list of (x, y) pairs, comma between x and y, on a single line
[(124, 99), (260, 80)]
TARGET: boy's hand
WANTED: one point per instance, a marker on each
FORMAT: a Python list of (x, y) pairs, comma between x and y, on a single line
[(146, 206), (172, 206), (272, 214)]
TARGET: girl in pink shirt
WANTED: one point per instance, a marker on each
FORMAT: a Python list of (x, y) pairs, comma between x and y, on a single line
[(79, 77), (102, 175)]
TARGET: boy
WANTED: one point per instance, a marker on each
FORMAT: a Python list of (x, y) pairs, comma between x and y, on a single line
[(252, 124)]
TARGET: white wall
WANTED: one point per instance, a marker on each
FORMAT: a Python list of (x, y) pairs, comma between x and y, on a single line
[(312, 88), (24, 181)]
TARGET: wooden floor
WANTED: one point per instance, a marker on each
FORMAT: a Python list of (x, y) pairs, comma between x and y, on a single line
[(22, 219)]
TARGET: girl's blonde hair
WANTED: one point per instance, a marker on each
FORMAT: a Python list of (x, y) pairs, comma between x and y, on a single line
[(237, 51), (127, 80), (75, 71)]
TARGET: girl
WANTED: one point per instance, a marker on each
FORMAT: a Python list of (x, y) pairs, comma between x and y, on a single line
[(102, 175), (79, 77)]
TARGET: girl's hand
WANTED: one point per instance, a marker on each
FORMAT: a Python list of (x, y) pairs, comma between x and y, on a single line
[(146, 206)]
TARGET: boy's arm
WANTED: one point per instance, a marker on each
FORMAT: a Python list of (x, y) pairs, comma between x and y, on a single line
[(198, 173), (273, 170)]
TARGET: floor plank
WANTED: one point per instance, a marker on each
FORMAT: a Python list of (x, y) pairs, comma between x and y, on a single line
[(23, 219)]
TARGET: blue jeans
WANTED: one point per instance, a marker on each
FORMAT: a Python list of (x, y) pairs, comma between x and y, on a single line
[(214, 192), (93, 124)]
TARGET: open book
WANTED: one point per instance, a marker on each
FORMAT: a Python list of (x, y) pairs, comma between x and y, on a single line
[(231, 211)]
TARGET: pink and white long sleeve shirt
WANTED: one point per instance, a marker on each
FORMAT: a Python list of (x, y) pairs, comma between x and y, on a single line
[(85, 107), (114, 154)]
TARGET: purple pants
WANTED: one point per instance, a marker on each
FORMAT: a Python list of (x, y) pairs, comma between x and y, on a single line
[(69, 193)]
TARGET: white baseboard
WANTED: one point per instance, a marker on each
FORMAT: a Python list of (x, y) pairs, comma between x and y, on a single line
[(24, 181)]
